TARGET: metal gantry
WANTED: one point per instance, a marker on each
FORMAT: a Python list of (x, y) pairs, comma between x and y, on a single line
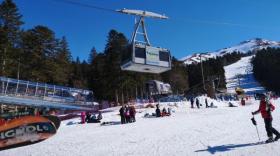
[(20, 92)]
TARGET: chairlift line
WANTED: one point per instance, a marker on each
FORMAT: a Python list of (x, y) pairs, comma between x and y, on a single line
[(85, 5), (124, 11)]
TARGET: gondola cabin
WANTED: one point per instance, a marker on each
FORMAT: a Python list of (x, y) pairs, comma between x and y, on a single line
[(147, 59)]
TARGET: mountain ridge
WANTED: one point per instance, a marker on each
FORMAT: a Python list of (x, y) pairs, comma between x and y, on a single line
[(252, 45)]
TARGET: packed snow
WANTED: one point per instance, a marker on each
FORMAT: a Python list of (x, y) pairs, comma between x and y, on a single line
[(205, 131), (240, 74)]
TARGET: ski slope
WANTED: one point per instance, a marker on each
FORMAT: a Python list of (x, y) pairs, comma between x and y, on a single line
[(241, 72), (188, 132)]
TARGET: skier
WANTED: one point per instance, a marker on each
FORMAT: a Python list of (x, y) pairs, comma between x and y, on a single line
[(197, 103), (206, 103), (265, 109), (192, 101), (122, 115)]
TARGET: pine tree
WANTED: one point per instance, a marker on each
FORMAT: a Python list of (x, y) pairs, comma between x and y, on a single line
[(10, 23), (40, 48), (116, 45), (63, 63), (92, 55)]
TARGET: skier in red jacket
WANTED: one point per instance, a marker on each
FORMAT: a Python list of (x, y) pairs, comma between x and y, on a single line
[(265, 109)]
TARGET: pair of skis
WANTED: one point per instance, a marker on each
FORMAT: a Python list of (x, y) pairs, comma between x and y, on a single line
[(27, 130)]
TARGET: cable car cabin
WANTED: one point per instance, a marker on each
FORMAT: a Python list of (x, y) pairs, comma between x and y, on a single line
[(155, 87), (146, 59)]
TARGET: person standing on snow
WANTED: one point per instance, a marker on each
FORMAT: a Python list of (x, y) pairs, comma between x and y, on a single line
[(127, 114), (243, 102), (122, 115), (206, 103), (197, 103), (265, 109), (132, 113), (83, 117), (192, 102)]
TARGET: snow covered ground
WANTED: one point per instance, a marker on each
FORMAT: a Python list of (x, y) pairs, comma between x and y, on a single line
[(241, 72), (212, 131)]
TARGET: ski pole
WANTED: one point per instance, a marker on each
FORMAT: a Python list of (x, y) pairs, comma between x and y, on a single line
[(255, 123)]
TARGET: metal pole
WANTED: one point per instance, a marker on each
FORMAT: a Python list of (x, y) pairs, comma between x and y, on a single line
[(45, 90), (3, 69), (258, 133), (26, 88), (7, 86), (17, 86), (53, 89), (136, 92), (4, 62), (36, 89), (18, 69)]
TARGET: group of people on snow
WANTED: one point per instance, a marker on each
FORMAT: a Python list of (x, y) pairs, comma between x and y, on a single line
[(127, 114), (88, 117), (198, 104), (162, 113)]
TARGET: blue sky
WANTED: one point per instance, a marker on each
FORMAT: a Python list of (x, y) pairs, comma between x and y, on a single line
[(194, 25)]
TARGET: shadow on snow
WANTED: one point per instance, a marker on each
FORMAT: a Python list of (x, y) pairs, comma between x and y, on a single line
[(229, 147)]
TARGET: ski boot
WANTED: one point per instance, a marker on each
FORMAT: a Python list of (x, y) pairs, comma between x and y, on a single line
[(269, 140), (277, 137)]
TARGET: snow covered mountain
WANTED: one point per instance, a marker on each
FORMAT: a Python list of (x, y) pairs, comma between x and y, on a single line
[(243, 47), (197, 57)]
